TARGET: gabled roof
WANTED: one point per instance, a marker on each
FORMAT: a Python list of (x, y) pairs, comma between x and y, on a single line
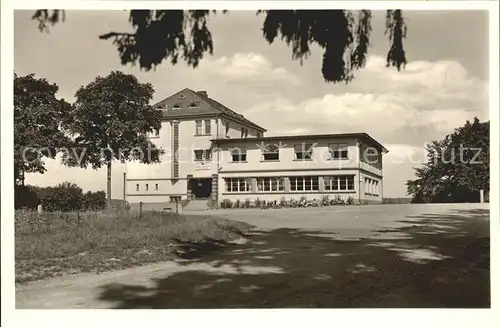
[(188, 103)]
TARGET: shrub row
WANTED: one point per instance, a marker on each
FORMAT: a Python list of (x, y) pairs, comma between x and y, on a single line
[(63, 197), (284, 203)]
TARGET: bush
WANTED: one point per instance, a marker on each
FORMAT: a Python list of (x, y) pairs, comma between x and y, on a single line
[(247, 203), (226, 204), (350, 200), (237, 204), (258, 202), (94, 201), (25, 197), (63, 197), (283, 202)]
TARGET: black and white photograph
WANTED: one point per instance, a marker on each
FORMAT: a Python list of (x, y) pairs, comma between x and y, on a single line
[(290, 157)]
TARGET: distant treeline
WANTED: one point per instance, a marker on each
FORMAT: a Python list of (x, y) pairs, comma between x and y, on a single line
[(63, 197)]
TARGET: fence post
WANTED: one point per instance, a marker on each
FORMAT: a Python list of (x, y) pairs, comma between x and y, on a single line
[(481, 196), (40, 209), (140, 209)]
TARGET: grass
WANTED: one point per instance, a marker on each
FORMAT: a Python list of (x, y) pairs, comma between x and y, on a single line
[(55, 244)]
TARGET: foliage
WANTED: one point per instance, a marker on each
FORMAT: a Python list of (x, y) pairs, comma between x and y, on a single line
[(37, 124), (344, 35), (457, 166), (111, 119), (63, 197), (94, 201)]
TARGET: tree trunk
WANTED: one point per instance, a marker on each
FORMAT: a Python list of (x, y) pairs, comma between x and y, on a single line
[(108, 193)]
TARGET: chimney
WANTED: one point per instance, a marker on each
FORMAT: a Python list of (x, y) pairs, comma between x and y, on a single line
[(203, 93)]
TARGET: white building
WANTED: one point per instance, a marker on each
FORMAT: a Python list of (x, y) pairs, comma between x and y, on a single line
[(222, 155)]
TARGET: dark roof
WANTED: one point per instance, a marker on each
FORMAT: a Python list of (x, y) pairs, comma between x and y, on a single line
[(363, 136), (204, 105)]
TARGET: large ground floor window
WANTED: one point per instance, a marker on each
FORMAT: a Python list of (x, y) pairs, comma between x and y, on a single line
[(339, 183), (238, 184), (304, 183), (270, 184)]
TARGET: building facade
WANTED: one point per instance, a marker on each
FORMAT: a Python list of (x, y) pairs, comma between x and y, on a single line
[(213, 154)]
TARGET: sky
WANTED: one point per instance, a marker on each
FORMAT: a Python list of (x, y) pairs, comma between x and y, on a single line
[(444, 84)]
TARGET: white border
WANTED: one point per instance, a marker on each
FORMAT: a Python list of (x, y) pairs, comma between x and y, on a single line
[(405, 318)]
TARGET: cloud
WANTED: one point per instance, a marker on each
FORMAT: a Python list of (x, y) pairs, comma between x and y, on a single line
[(250, 68), (425, 101)]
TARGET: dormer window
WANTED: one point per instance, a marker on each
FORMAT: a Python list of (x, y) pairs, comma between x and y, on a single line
[(193, 105), (176, 107)]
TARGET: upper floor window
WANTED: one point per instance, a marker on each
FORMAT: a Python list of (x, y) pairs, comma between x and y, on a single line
[(271, 152), (338, 151), (303, 151), (147, 187), (242, 132), (176, 107), (202, 155), (156, 187), (227, 128), (208, 127), (198, 127), (137, 187), (371, 156), (238, 154), (259, 134)]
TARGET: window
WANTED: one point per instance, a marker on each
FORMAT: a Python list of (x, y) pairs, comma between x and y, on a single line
[(147, 187), (198, 155), (208, 127), (259, 134), (242, 132), (246, 133), (156, 187), (176, 107), (304, 183), (339, 183), (203, 155), (198, 127), (237, 184), (270, 184), (303, 151), (193, 105), (227, 128), (137, 187), (271, 152), (238, 155), (338, 151)]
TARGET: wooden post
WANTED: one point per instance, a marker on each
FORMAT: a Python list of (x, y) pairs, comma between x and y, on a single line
[(40, 209), (481, 196), (140, 209), (124, 186)]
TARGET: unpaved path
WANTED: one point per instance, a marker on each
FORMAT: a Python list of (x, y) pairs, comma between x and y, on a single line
[(340, 223)]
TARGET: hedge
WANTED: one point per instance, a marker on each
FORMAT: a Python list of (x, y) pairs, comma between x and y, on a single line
[(63, 197)]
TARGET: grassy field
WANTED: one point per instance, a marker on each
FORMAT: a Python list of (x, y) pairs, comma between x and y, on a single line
[(54, 244)]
